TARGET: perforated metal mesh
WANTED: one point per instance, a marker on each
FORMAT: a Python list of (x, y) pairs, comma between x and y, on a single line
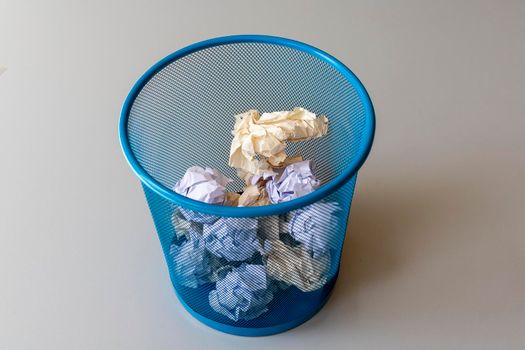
[(288, 303), (183, 116)]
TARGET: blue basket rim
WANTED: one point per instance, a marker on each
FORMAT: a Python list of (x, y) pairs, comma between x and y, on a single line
[(272, 209)]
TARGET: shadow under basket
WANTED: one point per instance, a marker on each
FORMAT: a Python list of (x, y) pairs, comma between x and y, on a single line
[(249, 271)]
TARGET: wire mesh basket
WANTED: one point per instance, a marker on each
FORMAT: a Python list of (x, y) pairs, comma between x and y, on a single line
[(276, 265)]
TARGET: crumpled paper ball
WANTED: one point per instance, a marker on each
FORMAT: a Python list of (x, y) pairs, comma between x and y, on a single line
[(232, 199), (206, 185), (270, 227), (181, 225), (243, 294), (198, 217), (191, 261), (296, 266), (266, 135), (296, 180), (234, 239), (252, 196), (316, 227)]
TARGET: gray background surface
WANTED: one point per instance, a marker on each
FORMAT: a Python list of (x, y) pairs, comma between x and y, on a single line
[(436, 252)]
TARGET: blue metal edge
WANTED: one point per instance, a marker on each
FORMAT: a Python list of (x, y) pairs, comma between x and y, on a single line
[(274, 209)]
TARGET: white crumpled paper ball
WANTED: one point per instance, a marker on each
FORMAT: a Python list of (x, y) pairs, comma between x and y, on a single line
[(205, 185), (296, 180), (316, 226), (234, 239), (243, 294), (192, 264)]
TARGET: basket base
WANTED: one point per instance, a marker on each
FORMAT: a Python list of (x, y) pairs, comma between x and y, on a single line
[(257, 332)]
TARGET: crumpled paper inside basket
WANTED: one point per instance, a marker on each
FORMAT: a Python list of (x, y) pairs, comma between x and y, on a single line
[(295, 266), (234, 239), (265, 135), (203, 184), (316, 226), (243, 293), (296, 180)]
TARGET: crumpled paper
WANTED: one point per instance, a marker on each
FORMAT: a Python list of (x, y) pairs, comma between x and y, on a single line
[(234, 239), (265, 135), (191, 261), (260, 177), (243, 294), (253, 195), (265, 172), (198, 217), (296, 180), (316, 226), (232, 199), (180, 224), (206, 185), (270, 227), (296, 266)]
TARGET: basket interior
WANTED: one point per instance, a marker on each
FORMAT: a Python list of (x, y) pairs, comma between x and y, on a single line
[(184, 115)]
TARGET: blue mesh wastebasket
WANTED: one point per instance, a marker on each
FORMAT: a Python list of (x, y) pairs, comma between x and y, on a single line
[(180, 114)]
